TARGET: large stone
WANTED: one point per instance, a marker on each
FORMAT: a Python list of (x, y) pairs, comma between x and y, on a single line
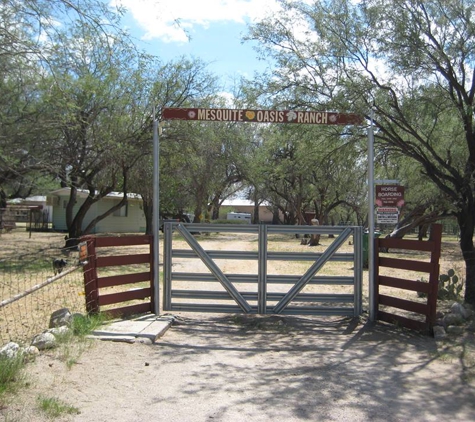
[(439, 332), (453, 319), (31, 351), (44, 341), (10, 350), (59, 331), (60, 318), (455, 329), (458, 308)]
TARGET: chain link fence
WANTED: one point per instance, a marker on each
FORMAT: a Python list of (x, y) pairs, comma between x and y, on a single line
[(31, 289)]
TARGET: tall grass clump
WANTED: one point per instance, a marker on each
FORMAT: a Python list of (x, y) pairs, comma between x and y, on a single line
[(54, 408), (74, 341), (11, 374)]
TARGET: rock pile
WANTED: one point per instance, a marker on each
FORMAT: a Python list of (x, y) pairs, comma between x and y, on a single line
[(48, 339), (456, 321)]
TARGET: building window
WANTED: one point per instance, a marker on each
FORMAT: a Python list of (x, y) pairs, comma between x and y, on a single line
[(121, 212)]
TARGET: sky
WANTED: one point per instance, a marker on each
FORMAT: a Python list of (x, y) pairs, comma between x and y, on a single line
[(209, 29)]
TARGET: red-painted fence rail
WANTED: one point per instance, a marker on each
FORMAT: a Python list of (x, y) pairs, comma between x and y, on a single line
[(429, 289), (96, 298)]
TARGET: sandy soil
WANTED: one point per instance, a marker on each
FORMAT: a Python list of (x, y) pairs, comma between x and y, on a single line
[(249, 368), (236, 368)]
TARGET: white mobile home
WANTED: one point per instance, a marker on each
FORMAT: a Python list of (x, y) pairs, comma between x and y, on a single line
[(128, 219)]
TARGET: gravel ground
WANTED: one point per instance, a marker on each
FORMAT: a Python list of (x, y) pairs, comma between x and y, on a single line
[(249, 368)]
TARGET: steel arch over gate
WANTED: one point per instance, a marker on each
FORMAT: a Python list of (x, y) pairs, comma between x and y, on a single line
[(250, 293)]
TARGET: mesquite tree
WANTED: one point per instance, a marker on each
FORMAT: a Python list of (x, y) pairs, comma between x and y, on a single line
[(410, 61)]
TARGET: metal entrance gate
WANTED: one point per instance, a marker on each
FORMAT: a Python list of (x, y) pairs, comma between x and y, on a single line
[(263, 291)]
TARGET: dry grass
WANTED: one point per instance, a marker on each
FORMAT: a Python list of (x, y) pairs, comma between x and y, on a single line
[(26, 261)]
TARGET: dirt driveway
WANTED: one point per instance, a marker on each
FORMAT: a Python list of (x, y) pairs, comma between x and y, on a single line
[(237, 368)]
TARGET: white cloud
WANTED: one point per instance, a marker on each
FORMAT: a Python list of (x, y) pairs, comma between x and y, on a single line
[(170, 20)]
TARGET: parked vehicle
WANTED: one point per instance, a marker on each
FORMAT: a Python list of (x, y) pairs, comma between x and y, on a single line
[(177, 218)]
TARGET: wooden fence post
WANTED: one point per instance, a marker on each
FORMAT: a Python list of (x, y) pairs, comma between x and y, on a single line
[(90, 276), (436, 238)]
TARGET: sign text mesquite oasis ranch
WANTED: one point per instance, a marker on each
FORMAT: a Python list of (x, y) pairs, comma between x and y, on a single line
[(261, 116)]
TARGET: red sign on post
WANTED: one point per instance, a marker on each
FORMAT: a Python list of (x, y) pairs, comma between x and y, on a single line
[(262, 116), (389, 196)]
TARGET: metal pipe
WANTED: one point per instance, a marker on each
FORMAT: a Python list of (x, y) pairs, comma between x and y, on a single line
[(156, 216), (371, 287)]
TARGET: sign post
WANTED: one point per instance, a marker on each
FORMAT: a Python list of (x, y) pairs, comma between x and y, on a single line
[(371, 287), (389, 195), (156, 217)]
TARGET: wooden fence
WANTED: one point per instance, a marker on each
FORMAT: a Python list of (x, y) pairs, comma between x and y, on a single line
[(427, 289), (94, 285)]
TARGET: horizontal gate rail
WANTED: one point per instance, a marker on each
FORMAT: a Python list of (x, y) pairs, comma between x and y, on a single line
[(271, 279), (235, 298), (305, 297), (290, 310), (425, 309), (271, 256)]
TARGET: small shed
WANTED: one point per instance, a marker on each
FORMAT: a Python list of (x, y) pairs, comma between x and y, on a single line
[(32, 210)]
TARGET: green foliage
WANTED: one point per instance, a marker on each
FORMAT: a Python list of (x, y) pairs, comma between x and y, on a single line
[(422, 102), (450, 286), (226, 221), (82, 326), (223, 212), (55, 408), (74, 342), (10, 373)]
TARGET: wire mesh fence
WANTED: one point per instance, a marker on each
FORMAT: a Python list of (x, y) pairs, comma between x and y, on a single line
[(31, 288)]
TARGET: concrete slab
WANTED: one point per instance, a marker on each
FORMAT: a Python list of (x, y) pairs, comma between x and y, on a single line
[(119, 338), (144, 327)]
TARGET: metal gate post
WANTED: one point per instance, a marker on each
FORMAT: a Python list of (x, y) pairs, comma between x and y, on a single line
[(262, 270), (167, 266), (358, 269)]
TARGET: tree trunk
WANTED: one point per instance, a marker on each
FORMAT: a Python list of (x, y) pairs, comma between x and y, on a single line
[(314, 238), (467, 225), (215, 213), (213, 207), (275, 215), (423, 228), (3, 199), (198, 214), (469, 257), (148, 212)]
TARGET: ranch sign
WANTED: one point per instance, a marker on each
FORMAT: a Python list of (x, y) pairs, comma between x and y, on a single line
[(261, 116), (388, 195)]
